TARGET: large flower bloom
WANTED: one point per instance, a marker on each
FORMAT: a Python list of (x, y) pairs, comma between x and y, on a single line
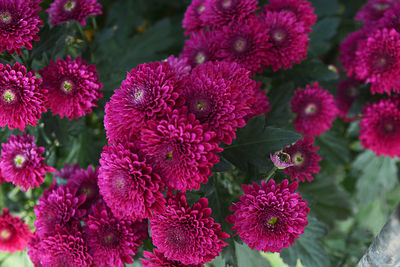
[(111, 241), (14, 233), (315, 109), (59, 207), (73, 87), (149, 92), (220, 95), (19, 24), (380, 127), (187, 234), (200, 48), (378, 61), (288, 38), (21, 162), (245, 43), (128, 184), (61, 11), (348, 49), (301, 8), (192, 21), (304, 158), (85, 183), (159, 260), (346, 94), (21, 99), (269, 217), (218, 13), (64, 249), (180, 150), (374, 10)]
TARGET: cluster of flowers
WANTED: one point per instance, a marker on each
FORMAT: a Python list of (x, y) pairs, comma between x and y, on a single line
[(20, 21), (371, 55), (232, 31)]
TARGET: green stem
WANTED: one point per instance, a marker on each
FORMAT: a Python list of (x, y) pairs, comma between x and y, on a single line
[(271, 172)]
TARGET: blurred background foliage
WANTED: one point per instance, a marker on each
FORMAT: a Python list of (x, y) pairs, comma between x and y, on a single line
[(350, 199)]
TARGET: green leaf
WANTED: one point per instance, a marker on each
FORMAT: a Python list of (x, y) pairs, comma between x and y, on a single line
[(248, 257), (279, 101), (255, 143), (375, 174), (325, 7), (308, 247), (322, 32), (333, 147)]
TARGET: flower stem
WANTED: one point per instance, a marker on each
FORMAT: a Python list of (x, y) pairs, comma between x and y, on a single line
[(271, 172)]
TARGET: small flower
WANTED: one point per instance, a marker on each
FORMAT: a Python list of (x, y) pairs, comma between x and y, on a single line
[(180, 65), (315, 109), (61, 11), (187, 234), (281, 160), (269, 217), (73, 87), (85, 183), (21, 162), (348, 49), (14, 233), (200, 48), (159, 260), (347, 93), (374, 10), (68, 170), (192, 21)]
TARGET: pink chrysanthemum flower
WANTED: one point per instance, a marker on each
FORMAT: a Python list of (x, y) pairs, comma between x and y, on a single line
[(111, 241), (288, 38), (73, 87), (219, 13), (374, 10), (128, 184), (245, 43), (346, 94), (61, 11), (220, 95), (391, 19), (187, 234), (19, 24), (301, 8), (58, 207), (65, 249), (269, 217), (21, 162), (22, 101), (180, 65), (85, 183), (14, 233), (200, 48), (68, 170), (149, 92), (315, 109), (304, 158), (180, 150), (192, 21), (260, 104), (378, 61), (348, 49), (159, 260), (380, 127)]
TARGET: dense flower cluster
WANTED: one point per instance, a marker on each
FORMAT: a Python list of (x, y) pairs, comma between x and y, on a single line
[(14, 233), (61, 11), (232, 31), (269, 217)]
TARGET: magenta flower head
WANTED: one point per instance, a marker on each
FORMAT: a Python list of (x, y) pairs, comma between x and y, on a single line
[(19, 24), (180, 65), (220, 95), (261, 103), (288, 38), (111, 241), (59, 207), (218, 13), (391, 18), (21, 162), (159, 260), (149, 92), (68, 170), (128, 184), (374, 10), (378, 61), (61, 11), (200, 48), (14, 233), (64, 249), (73, 87), (192, 21), (301, 8), (180, 150), (346, 94), (304, 159), (22, 101), (187, 234), (315, 109), (281, 160), (245, 43), (348, 49), (85, 183), (380, 127), (269, 217)]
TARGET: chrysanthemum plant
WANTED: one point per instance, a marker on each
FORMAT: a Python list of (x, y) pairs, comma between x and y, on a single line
[(198, 133)]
